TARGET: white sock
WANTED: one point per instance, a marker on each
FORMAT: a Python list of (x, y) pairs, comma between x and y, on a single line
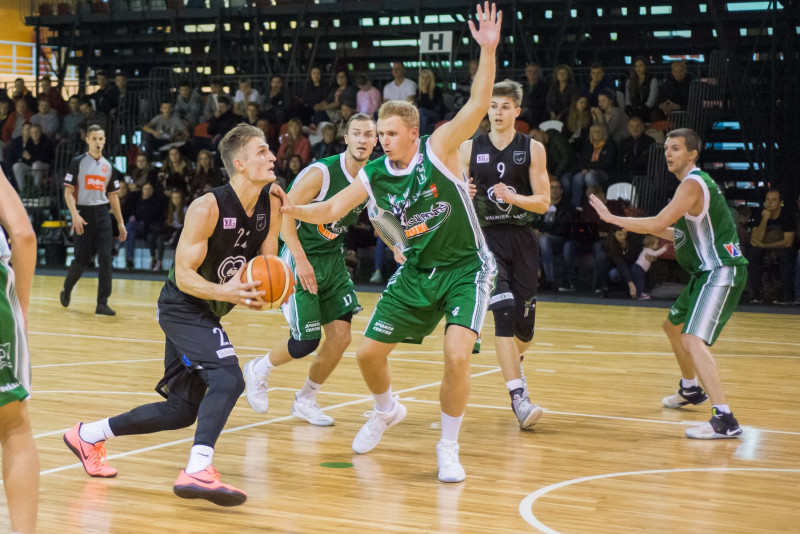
[(97, 431), (201, 457), (384, 401), (514, 384), (722, 408), (309, 391), (689, 382), (450, 426), (263, 366)]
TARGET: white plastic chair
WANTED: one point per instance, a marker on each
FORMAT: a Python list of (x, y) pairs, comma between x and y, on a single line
[(552, 125)]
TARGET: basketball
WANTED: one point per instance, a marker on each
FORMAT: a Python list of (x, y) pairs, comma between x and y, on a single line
[(275, 276)]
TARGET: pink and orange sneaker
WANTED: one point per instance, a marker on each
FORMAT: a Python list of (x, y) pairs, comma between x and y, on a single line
[(92, 456), (205, 484)]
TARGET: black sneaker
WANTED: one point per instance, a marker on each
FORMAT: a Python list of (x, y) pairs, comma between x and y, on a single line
[(720, 426), (64, 298), (103, 309), (693, 395)]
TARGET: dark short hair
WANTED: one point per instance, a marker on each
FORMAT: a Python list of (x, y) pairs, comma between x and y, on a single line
[(184, 83), (774, 190), (596, 65), (690, 137), (349, 104), (224, 99)]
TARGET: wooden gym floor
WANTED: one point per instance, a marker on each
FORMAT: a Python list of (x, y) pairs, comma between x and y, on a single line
[(605, 458)]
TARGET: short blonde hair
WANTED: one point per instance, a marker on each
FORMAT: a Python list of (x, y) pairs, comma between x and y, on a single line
[(233, 143), (398, 108)]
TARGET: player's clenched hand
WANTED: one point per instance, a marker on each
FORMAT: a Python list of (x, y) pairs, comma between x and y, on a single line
[(473, 189), (600, 208), (489, 21), (504, 194), (305, 275)]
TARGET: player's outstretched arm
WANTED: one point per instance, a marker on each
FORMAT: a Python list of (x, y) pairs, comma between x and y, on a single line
[(23, 240), (688, 197), (331, 210), (450, 135), (201, 219)]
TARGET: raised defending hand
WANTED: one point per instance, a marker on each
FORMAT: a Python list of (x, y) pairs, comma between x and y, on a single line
[(490, 20), (600, 208)]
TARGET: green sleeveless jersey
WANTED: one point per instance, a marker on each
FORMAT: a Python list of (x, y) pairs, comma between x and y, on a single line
[(327, 238), (709, 240), (425, 209)]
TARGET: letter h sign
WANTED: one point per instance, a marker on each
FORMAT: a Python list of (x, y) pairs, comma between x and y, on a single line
[(438, 42)]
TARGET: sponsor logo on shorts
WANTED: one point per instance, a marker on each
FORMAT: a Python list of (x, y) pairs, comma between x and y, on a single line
[(5, 355), (313, 326), (482, 158), (228, 223), (94, 182), (9, 387), (383, 327), (455, 311), (226, 353)]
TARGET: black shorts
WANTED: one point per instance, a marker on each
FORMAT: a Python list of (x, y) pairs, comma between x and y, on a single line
[(195, 340), (516, 251)]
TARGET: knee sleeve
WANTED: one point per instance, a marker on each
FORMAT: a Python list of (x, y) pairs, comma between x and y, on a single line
[(525, 319), (302, 348), (504, 318)]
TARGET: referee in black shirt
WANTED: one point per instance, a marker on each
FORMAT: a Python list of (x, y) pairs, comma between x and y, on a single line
[(91, 184)]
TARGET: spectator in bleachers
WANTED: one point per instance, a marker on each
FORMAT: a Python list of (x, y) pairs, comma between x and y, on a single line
[(597, 162), (71, 123), (534, 96), (165, 128), (127, 202), (609, 115), (176, 214), (598, 81), (578, 122), (245, 94), (47, 118), (53, 95), (293, 142), (121, 90), (13, 154), (329, 146), (634, 151), (561, 158), (293, 168), (774, 233), (106, 97), (400, 88), (252, 113), (176, 173), (148, 224), (673, 95), (554, 231), (263, 124), (205, 175), (188, 104), (210, 106), (5, 107), (142, 173), (562, 93), (343, 92), (368, 98), (313, 95), (641, 90), (429, 102), (277, 102), (463, 89), (37, 158), (588, 236), (91, 117), (346, 111), (20, 91), (13, 125)]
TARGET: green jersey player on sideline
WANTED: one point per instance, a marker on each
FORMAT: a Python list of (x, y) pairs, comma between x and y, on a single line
[(706, 245), (420, 200), (326, 299)]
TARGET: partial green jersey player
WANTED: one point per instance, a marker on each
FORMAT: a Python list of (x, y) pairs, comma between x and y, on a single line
[(706, 245), (419, 200), (325, 298)]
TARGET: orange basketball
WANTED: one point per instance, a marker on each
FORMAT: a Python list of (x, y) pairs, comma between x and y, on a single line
[(275, 276)]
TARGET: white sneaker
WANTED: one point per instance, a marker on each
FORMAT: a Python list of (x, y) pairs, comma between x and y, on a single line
[(370, 434), (450, 469), (311, 412), (256, 389), (376, 278)]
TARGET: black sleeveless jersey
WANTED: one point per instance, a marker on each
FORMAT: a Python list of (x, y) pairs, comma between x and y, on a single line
[(488, 166), (236, 239)]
